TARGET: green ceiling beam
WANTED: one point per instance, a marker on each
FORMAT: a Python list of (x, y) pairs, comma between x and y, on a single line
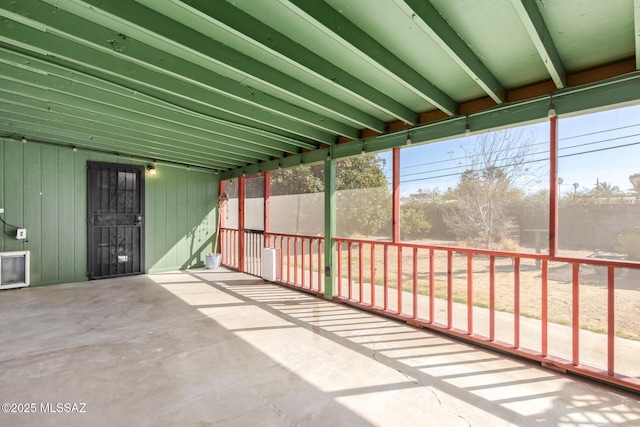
[(94, 135), (153, 29), (429, 20), (625, 89), (636, 27), (37, 98), (151, 111), (323, 16), (216, 19), (50, 88), (40, 133), (98, 126), (536, 28), (126, 61)]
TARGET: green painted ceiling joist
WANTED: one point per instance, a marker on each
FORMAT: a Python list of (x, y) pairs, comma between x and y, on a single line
[(138, 22), (35, 132), (213, 19), (120, 68), (88, 98), (321, 14), (127, 135), (532, 20), (143, 103), (430, 21), (94, 135), (636, 20)]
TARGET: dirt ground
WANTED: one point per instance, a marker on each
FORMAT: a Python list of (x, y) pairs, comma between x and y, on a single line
[(592, 285)]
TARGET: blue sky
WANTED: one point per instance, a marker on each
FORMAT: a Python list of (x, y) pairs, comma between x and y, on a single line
[(602, 146)]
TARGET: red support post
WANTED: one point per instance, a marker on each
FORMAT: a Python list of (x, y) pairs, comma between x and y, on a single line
[(241, 188), (395, 215), (553, 187)]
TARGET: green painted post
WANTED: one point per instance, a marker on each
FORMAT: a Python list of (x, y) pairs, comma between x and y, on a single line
[(329, 227)]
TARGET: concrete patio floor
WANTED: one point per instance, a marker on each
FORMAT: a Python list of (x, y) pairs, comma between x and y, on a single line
[(223, 348)]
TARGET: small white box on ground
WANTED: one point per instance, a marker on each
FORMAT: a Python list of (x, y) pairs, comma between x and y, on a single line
[(269, 264)]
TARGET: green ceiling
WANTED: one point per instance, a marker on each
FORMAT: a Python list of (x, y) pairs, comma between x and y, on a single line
[(248, 85)]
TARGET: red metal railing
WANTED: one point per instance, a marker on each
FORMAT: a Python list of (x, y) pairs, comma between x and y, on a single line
[(422, 284), (229, 247), (299, 261), (428, 270)]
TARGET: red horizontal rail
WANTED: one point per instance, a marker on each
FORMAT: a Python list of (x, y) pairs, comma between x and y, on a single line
[(452, 322)]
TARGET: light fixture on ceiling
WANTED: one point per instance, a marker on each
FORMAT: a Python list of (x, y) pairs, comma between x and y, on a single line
[(24, 140), (151, 169), (409, 142), (467, 129), (552, 109), (363, 152), (75, 149)]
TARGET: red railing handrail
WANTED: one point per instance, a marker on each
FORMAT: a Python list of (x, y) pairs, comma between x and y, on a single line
[(603, 262)]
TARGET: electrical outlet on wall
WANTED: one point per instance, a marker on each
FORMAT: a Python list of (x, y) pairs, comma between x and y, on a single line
[(1, 210), (21, 233)]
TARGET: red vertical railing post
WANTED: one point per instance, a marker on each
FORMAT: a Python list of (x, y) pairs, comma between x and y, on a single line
[(320, 273), (295, 261), (470, 293), (553, 186), (611, 318), (386, 278), (415, 283), (575, 314), (399, 279), (492, 298), (373, 274), (516, 302), (360, 276), (432, 284), (339, 244), (281, 258), (302, 240), (449, 289), (349, 276), (395, 212), (288, 259), (241, 194), (545, 307), (310, 263)]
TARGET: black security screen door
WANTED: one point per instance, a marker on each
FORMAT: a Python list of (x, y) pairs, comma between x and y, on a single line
[(116, 220)]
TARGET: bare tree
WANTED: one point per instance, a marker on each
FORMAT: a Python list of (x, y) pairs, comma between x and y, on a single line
[(496, 170)]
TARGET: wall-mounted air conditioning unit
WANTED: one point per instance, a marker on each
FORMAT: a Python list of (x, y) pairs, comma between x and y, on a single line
[(14, 269)]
